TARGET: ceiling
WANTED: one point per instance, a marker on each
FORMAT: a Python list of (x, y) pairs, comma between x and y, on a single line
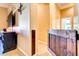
[(14, 5), (64, 5), (8, 5)]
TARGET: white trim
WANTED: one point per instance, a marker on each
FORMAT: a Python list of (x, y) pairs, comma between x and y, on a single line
[(21, 51), (52, 52)]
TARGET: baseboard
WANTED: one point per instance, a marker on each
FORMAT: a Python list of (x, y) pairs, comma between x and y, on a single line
[(43, 42), (22, 51), (52, 53)]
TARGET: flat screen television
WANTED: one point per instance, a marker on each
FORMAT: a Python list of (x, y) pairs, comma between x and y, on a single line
[(11, 19)]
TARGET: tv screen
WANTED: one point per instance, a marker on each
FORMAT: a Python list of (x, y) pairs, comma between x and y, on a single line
[(11, 20)]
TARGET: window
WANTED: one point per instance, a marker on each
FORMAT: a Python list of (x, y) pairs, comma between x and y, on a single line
[(66, 23)]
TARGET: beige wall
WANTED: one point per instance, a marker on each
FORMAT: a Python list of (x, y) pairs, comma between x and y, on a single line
[(33, 15), (43, 22), (3, 18), (40, 20), (54, 16), (69, 12)]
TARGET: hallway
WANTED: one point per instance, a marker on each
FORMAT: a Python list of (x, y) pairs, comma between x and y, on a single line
[(43, 50)]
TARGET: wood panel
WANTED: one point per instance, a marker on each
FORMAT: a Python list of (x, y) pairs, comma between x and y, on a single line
[(57, 45), (33, 42), (63, 42), (52, 43), (10, 41), (63, 46), (71, 44)]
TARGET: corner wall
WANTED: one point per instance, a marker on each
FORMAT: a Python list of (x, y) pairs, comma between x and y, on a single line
[(54, 16), (24, 38), (68, 13)]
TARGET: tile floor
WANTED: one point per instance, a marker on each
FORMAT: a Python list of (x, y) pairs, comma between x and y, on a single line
[(42, 50), (15, 52)]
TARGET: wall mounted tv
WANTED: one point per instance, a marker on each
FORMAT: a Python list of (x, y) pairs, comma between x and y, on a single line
[(11, 19)]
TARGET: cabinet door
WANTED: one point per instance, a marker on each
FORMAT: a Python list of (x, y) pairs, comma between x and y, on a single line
[(71, 47), (57, 45), (63, 46), (52, 43), (10, 41), (71, 44), (73, 40), (74, 53)]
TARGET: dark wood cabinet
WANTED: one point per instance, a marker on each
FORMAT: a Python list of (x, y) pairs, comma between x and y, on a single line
[(52, 43), (10, 41), (57, 45), (63, 46), (69, 47), (71, 43), (63, 42)]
